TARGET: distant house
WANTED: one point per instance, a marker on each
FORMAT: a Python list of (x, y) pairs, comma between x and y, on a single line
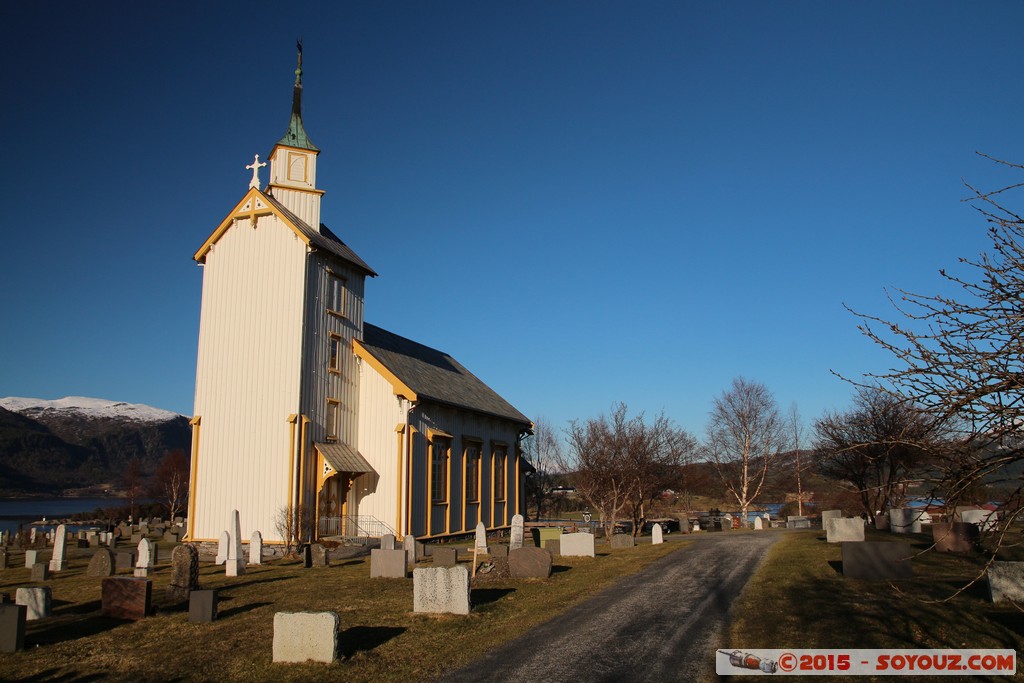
[(300, 405)]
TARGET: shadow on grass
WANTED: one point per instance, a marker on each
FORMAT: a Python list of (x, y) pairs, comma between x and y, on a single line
[(62, 630), (559, 568), (485, 596), (366, 638), (76, 608), (837, 566), (349, 563), (256, 582), (1011, 621), (62, 676), (241, 609)]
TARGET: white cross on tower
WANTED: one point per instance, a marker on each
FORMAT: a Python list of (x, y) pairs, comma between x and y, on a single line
[(256, 166)]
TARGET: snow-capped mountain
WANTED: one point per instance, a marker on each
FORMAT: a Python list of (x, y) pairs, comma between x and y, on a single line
[(88, 407), (76, 443)]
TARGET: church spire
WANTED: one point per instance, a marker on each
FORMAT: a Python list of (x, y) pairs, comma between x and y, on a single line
[(296, 136)]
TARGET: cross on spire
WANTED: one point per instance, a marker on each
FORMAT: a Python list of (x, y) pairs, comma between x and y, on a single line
[(256, 165)]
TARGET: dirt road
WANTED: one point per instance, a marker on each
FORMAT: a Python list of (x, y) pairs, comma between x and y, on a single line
[(662, 624)]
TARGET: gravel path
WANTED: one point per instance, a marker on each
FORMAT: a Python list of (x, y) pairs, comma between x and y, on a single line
[(662, 624)]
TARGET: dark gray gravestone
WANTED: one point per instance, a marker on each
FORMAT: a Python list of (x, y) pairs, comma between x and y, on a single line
[(530, 563), (554, 547), (498, 550), (83, 543), (444, 557), (125, 597), (957, 537), (798, 522), (877, 560), (12, 627), (320, 558), (202, 606), (184, 573), (623, 541), (124, 560), (387, 542), (40, 572), (307, 556), (101, 565)]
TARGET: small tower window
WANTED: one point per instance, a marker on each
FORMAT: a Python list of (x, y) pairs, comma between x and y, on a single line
[(336, 294), (333, 419), (334, 363)]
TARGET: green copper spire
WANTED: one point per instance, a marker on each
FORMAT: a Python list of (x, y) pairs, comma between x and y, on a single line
[(296, 136)]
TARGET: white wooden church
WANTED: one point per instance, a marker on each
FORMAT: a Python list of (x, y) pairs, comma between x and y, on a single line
[(300, 405)]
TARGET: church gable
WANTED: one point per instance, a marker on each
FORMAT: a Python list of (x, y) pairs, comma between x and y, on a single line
[(248, 212)]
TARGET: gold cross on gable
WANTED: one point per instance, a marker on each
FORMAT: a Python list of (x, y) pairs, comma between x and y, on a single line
[(253, 212)]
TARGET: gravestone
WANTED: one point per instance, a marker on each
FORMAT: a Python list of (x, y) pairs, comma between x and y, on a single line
[(516, 535), (984, 519), (727, 522), (798, 522), (38, 602), (124, 560), (441, 590), (3, 558), (102, 564), (445, 557), (256, 548), (1006, 582), (830, 514), (656, 535), (684, 524), (758, 523), (92, 539), (234, 565), (40, 572), (529, 563), (904, 521), (307, 556), (882, 522), (409, 545), (623, 541), (844, 530), (545, 533), (877, 560), (146, 560), (31, 558), (554, 548), (124, 597), (82, 543), (202, 606), (500, 551), (481, 538), (387, 542), (222, 548), (320, 557), (577, 545), (12, 627), (184, 572), (172, 535), (957, 537), (59, 560), (388, 564), (305, 636)]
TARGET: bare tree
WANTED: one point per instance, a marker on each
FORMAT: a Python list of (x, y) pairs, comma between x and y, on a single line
[(796, 429), (876, 446), (543, 450), (746, 433), (960, 357), (656, 452), (133, 481), (170, 482), (294, 525), (597, 462)]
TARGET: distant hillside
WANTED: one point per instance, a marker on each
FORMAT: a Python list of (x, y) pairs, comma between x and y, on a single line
[(52, 447)]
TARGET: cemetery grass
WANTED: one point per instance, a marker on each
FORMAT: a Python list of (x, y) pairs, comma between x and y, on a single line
[(799, 599), (381, 639)]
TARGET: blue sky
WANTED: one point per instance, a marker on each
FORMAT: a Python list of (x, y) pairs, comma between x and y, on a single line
[(583, 202)]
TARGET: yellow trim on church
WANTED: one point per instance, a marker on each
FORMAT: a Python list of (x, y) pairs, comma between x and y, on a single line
[(252, 214), (400, 388)]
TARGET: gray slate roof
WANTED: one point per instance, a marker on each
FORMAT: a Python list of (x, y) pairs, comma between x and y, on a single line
[(324, 239), (343, 458), (436, 376)]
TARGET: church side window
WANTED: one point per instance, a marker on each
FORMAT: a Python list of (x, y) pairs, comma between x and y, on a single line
[(500, 458), (440, 448), (334, 363), (333, 419), (472, 454), (336, 294)]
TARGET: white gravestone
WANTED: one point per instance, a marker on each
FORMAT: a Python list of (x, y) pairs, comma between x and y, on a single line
[(222, 547), (256, 548), (235, 564), (409, 546), (145, 561), (31, 557), (758, 524), (579, 544), (59, 560), (481, 537), (304, 636), (516, 537), (441, 590), (38, 602), (656, 537), (844, 529)]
